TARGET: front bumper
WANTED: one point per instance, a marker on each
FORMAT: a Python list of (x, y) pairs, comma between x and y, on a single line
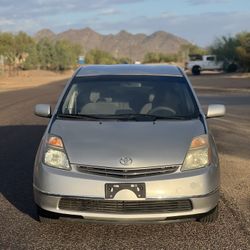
[(200, 205), (199, 186)]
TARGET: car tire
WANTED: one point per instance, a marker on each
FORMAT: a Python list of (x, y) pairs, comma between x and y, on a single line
[(45, 216), (196, 70), (211, 216)]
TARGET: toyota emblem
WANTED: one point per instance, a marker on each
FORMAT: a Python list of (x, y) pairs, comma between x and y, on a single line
[(126, 161)]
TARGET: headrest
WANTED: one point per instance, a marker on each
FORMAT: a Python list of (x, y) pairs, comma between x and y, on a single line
[(151, 97), (94, 96)]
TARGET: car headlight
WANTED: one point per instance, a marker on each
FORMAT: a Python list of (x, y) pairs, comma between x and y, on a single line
[(55, 155), (198, 155)]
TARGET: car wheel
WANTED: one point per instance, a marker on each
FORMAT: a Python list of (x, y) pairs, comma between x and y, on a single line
[(196, 70), (211, 216), (45, 216)]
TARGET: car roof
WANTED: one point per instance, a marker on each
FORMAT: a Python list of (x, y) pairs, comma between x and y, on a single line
[(129, 69)]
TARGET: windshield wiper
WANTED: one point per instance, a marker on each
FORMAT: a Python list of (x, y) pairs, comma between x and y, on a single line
[(78, 116), (146, 117), (124, 117)]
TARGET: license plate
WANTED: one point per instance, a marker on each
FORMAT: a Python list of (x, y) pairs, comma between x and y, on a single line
[(111, 189)]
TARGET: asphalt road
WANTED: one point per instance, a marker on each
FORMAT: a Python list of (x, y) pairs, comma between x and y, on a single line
[(20, 133)]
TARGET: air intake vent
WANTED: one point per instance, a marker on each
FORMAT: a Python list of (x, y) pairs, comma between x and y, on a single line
[(121, 207)]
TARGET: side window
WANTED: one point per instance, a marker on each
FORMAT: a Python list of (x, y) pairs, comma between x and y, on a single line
[(195, 57), (210, 58)]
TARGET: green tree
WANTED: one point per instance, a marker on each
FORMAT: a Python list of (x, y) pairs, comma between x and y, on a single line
[(23, 52), (65, 56), (7, 47), (26, 51), (62, 56), (45, 53), (225, 48), (31, 61), (153, 57), (23, 44), (16, 48), (243, 50), (97, 56), (192, 49), (168, 57)]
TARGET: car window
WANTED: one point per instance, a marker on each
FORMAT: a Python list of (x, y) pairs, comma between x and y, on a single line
[(112, 95), (195, 57), (210, 58)]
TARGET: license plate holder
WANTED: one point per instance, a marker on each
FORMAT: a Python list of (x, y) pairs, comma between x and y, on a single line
[(111, 189)]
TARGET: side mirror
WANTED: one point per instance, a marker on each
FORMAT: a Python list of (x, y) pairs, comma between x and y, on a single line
[(43, 110), (215, 110)]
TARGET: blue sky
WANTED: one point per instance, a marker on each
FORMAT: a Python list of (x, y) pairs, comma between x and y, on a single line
[(199, 21)]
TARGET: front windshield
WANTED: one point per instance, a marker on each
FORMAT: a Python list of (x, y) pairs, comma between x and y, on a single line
[(100, 96)]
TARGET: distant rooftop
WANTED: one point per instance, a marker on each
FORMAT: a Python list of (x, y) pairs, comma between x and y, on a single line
[(129, 69)]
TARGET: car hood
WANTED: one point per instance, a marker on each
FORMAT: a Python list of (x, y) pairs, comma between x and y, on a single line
[(146, 143)]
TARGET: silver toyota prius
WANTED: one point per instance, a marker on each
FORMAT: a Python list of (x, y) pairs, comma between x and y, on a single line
[(127, 143)]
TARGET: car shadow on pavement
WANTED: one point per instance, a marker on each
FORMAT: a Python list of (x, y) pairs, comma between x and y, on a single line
[(18, 146)]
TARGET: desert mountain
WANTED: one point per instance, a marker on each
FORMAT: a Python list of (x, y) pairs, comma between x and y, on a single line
[(122, 44), (45, 33)]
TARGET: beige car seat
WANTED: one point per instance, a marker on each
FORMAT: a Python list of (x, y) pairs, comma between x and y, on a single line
[(148, 106)]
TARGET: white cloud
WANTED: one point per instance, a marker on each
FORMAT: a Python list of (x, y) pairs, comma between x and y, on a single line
[(5, 21), (38, 8), (110, 12)]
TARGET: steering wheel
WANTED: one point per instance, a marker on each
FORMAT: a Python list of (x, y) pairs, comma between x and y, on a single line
[(161, 108)]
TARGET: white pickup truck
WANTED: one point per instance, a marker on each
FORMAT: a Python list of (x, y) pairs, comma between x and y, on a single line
[(198, 63)]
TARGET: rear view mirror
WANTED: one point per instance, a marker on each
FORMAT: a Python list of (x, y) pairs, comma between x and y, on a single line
[(216, 110), (43, 110)]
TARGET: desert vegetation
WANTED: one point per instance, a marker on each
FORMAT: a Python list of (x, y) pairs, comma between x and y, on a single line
[(96, 56), (22, 52), (233, 49)]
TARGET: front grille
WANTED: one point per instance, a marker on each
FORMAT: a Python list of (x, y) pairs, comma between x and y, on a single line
[(127, 172), (121, 207)]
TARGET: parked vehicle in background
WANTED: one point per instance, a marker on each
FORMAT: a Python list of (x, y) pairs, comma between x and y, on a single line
[(198, 63)]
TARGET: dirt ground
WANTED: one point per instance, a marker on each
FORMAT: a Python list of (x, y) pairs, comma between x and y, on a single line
[(232, 136), (35, 78), (18, 226), (235, 168), (32, 78)]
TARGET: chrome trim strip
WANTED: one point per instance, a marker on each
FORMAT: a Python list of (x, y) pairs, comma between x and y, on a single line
[(147, 199)]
